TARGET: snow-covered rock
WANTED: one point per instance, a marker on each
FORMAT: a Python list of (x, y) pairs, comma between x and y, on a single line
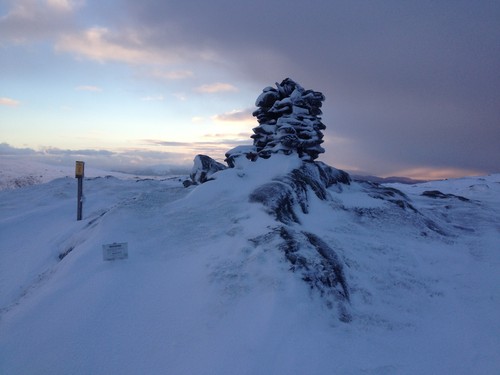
[(239, 153), (203, 169)]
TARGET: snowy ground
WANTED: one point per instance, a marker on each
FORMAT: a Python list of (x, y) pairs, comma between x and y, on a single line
[(197, 296)]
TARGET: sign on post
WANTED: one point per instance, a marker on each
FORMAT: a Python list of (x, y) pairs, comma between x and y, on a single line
[(79, 174), (115, 251), (80, 169)]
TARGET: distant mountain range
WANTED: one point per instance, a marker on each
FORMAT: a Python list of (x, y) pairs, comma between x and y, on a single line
[(387, 180)]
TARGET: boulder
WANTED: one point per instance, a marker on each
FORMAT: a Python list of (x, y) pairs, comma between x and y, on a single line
[(203, 169)]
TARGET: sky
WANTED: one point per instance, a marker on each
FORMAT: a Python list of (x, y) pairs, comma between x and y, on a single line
[(412, 87)]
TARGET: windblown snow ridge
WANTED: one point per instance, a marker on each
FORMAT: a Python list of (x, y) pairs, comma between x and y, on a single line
[(282, 194), (288, 196)]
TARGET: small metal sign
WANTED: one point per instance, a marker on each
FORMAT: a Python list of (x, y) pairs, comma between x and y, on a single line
[(115, 251), (79, 169)]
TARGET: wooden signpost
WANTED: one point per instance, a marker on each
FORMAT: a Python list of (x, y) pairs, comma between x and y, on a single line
[(79, 174)]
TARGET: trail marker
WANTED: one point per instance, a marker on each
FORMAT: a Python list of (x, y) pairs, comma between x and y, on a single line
[(79, 174), (115, 251)]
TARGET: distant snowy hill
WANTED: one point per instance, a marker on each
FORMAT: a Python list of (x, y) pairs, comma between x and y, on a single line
[(271, 268), (17, 172), (20, 171)]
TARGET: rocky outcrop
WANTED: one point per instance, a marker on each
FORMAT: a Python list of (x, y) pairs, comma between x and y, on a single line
[(320, 266), (203, 169), (281, 195), (436, 194), (315, 260)]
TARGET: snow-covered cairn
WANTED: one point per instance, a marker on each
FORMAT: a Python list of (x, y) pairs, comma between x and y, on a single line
[(289, 121)]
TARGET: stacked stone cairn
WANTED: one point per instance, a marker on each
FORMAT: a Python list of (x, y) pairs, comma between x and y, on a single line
[(289, 121)]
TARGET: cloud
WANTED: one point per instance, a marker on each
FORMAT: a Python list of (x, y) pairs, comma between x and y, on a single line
[(129, 160), (215, 145), (180, 96), (237, 115), (436, 173), (78, 153), (64, 5), (215, 88), (28, 20), (157, 142), (172, 75), (197, 119), (9, 102), (130, 46), (8, 150), (88, 88), (155, 98), (100, 44)]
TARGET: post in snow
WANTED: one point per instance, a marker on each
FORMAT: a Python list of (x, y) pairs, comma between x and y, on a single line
[(79, 174)]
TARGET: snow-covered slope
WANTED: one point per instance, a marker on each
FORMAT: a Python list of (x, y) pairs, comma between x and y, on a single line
[(209, 288)]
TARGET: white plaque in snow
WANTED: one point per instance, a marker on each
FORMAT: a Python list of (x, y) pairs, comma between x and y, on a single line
[(115, 251)]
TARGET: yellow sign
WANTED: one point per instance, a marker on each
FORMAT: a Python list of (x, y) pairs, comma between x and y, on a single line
[(79, 169)]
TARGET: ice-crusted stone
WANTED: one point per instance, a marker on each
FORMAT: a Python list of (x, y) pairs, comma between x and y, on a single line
[(203, 169), (239, 152)]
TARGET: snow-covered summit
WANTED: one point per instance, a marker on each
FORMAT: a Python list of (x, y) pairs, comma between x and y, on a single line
[(272, 265), (355, 278), (217, 282), (297, 182)]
